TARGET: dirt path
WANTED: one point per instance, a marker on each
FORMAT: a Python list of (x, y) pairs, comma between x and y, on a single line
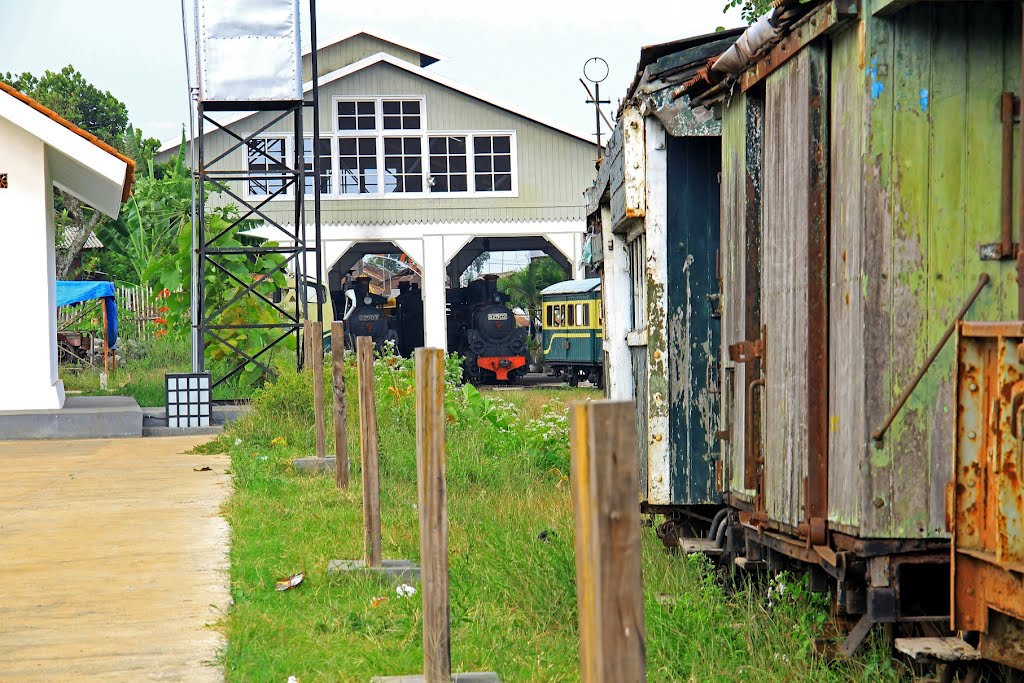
[(113, 560)]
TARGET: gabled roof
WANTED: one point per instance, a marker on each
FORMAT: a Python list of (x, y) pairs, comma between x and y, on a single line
[(383, 57), (426, 57), (109, 168)]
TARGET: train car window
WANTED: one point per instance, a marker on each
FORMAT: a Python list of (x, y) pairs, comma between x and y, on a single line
[(549, 315), (600, 314), (572, 316), (585, 315)]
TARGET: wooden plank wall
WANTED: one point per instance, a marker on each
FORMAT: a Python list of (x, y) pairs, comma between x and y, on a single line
[(934, 74), (732, 269), (784, 286), (848, 339)]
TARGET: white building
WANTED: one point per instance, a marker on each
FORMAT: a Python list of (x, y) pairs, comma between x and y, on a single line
[(417, 163), (40, 150)]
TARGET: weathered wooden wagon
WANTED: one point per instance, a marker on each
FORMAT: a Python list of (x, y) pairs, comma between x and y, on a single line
[(655, 206), (868, 203)]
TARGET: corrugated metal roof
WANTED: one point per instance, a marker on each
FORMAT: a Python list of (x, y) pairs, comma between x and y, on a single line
[(71, 233), (573, 286)]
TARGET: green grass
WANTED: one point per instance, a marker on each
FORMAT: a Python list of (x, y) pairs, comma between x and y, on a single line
[(141, 373), (513, 600)]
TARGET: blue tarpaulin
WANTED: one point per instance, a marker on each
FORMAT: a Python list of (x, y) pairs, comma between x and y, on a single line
[(73, 291)]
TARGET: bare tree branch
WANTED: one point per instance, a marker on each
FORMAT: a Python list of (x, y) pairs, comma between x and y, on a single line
[(76, 209)]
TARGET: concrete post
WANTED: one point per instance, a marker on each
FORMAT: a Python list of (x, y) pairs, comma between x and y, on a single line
[(435, 328)]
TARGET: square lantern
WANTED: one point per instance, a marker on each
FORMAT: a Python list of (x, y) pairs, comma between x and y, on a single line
[(188, 399)]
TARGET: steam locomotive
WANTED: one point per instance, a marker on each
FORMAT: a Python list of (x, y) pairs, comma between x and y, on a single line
[(481, 327), (483, 330)]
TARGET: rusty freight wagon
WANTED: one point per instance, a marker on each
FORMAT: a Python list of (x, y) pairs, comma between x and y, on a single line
[(655, 209), (868, 202)]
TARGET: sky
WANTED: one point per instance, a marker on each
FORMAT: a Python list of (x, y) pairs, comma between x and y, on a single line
[(528, 52)]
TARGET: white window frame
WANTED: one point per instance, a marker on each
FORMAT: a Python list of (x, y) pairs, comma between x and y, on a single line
[(424, 133), (289, 156)]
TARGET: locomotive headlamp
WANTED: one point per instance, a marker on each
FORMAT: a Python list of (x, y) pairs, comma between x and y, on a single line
[(367, 300)]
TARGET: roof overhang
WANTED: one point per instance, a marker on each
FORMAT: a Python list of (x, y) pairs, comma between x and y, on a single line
[(385, 58), (79, 163), (427, 57)]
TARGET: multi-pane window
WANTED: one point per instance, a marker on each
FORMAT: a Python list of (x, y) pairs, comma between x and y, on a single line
[(266, 158), (357, 115), (403, 165), (448, 164), (324, 151), (357, 165), (492, 161), (401, 114), (383, 147)]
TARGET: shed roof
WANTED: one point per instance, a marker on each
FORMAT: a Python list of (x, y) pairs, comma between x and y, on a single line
[(129, 173), (573, 286)]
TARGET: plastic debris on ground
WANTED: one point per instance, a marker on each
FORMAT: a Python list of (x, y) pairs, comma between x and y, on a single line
[(290, 582)]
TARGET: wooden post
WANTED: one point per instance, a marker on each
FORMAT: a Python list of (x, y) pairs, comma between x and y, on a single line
[(433, 508), (307, 334), (316, 354), (341, 466), (106, 339), (607, 512), (368, 448)]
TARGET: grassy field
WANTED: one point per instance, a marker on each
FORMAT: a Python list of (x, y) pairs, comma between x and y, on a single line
[(513, 601), (141, 373)]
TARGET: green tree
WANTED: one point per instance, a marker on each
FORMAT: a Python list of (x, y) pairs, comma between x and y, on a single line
[(524, 287), (68, 93), (149, 223), (750, 10)]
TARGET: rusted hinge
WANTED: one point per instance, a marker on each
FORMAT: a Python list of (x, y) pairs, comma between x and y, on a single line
[(747, 351)]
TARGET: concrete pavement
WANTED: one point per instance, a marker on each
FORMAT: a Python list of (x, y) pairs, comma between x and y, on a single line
[(113, 560)]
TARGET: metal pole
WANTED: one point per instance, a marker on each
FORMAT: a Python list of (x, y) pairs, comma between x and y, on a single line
[(317, 171), (197, 355), (597, 117), (199, 258), (879, 434)]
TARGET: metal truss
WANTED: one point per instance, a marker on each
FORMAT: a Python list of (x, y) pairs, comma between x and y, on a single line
[(296, 252)]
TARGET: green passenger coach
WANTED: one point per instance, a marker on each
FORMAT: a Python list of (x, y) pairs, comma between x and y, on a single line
[(573, 330)]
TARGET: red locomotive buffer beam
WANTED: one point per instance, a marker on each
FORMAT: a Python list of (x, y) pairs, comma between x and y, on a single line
[(501, 365), (985, 498)]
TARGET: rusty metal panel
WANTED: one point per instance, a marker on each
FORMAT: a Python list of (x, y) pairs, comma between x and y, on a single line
[(628, 175), (792, 288), (985, 497)]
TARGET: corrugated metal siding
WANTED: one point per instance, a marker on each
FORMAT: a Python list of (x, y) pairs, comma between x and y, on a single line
[(733, 277), (552, 166), (784, 287), (932, 196)]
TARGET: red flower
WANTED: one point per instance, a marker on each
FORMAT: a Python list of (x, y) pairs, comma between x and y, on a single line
[(160, 321), (164, 293), (162, 309)]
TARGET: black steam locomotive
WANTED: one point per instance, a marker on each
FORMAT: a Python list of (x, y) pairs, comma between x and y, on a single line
[(481, 327), (483, 330), (364, 315)]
